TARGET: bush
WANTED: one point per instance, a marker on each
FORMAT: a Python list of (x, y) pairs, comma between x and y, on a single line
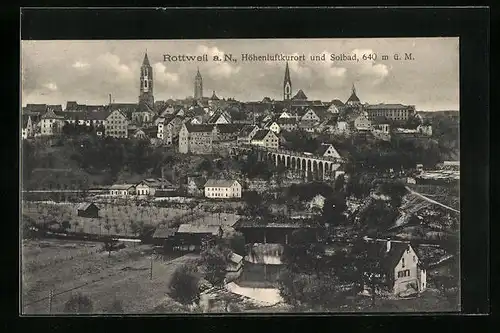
[(184, 285), (78, 303)]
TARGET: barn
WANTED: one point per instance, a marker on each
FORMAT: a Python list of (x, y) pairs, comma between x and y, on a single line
[(88, 210)]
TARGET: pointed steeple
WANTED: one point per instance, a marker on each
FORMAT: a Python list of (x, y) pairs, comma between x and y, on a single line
[(353, 89), (198, 72), (145, 62), (287, 73), (287, 84)]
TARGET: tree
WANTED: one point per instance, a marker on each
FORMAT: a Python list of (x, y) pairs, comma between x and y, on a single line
[(378, 216), (303, 290), (184, 285), (303, 253), (65, 225), (214, 260), (236, 243), (78, 303), (255, 204), (371, 275), (333, 209)]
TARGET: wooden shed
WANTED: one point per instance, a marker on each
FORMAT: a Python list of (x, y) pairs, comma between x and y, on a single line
[(88, 210)]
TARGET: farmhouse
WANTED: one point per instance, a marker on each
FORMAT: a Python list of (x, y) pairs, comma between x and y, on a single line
[(122, 189), (403, 271), (216, 188), (88, 210), (327, 150)]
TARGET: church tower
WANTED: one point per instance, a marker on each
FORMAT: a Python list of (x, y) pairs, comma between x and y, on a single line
[(198, 86), (353, 99), (146, 85), (287, 84)]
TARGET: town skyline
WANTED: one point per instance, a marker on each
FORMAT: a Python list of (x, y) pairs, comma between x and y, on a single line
[(430, 82)]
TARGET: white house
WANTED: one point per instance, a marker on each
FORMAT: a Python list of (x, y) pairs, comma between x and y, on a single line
[(122, 189), (327, 150), (273, 126), (285, 114), (403, 270), (216, 188)]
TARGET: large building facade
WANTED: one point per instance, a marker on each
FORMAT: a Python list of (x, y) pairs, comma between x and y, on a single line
[(397, 112), (196, 139)]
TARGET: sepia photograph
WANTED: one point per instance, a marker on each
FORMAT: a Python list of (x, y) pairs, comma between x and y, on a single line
[(240, 176)]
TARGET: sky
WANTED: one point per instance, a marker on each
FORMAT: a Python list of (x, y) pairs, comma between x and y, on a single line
[(54, 72)]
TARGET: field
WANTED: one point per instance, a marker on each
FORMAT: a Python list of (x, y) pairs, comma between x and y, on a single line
[(118, 218), (123, 276)]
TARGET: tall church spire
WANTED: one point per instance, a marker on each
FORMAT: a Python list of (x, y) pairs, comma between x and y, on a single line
[(287, 84), (145, 62), (146, 83), (198, 85)]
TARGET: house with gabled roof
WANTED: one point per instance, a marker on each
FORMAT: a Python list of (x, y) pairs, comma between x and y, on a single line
[(51, 123), (327, 150), (287, 124), (219, 117), (246, 134), (88, 209), (122, 190), (28, 128), (266, 138), (222, 189), (400, 267)]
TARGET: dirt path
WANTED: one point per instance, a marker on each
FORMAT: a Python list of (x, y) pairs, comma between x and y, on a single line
[(431, 201)]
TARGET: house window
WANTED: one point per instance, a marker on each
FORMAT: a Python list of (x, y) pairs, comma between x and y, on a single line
[(403, 262), (414, 259)]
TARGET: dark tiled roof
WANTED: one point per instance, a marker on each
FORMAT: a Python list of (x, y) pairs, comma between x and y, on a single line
[(300, 95), (378, 250), (337, 103), (353, 97), (199, 127), (383, 106), (36, 108), (228, 128), (85, 206), (246, 130), (199, 181), (163, 231), (261, 134), (214, 97), (219, 183)]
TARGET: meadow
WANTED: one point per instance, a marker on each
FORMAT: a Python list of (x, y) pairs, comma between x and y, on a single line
[(113, 219)]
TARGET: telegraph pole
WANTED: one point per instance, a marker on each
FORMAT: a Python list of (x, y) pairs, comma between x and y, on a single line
[(151, 268), (51, 295)]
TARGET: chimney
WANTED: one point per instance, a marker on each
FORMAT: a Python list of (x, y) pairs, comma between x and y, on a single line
[(388, 245), (109, 98)]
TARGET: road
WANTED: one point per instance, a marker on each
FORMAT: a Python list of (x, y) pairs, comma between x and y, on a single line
[(430, 200)]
